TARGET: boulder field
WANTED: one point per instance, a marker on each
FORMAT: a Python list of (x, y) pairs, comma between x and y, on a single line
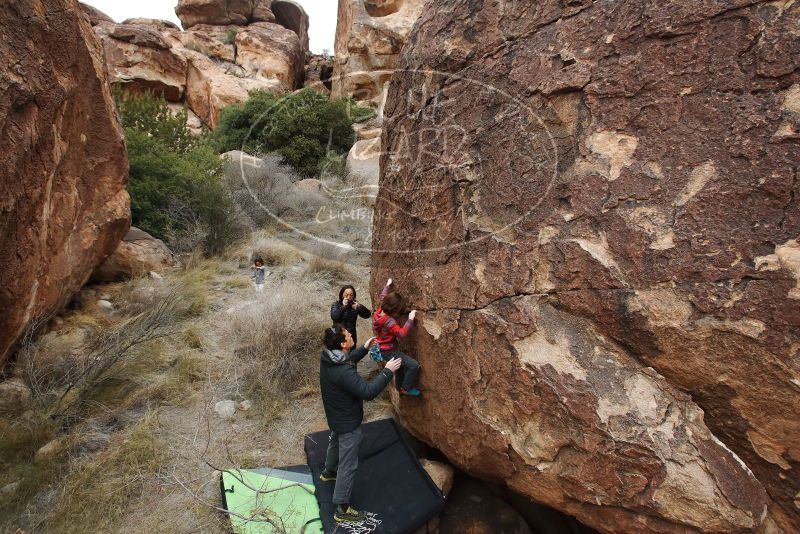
[(227, 49)]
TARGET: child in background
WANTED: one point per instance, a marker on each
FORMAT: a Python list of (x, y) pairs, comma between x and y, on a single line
[(387, 332), (259, 274)]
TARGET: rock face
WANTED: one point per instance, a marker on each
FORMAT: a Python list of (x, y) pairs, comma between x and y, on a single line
[(63, 165), (138, 253), (223, 12), (286, 13), (319, 70), (268, 50), (229, 48), (140, 59), (604, 198), (95, 15), (291, 15), (369, 37)]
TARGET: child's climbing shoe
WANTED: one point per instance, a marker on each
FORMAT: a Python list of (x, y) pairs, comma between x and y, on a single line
[(411, 392), (327, 476), (348, 514)]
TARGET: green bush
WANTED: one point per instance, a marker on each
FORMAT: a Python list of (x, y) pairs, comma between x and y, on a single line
[(305, 128), (175, 178)]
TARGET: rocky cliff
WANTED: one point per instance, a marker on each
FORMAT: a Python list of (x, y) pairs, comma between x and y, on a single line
[(228, 49), (63, 165), (369, 37), (602, 200), (370, 34)]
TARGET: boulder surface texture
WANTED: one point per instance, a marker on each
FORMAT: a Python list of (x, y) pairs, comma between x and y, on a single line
[(369, 37), (138, 253), (63, 164), (596, 207)]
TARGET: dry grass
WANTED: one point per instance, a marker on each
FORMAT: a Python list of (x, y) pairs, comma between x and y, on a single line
[(278, 337), (275, 253), (63, 386), (330, 271), (98, 491), (116, 467), (261, 187)]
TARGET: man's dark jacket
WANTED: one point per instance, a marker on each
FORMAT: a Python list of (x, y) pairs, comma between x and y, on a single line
[(344, 390), (347, 316)]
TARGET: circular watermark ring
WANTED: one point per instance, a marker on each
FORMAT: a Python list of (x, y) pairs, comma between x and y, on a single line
[(447, 78)]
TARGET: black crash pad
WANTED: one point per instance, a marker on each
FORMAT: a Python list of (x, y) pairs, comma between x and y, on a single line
[(390, 486)]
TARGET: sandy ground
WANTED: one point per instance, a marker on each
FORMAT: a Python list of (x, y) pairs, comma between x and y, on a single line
[(187, 491)]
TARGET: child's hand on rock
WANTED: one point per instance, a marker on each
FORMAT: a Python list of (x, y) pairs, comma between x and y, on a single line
[(412, 314), (389, 282)]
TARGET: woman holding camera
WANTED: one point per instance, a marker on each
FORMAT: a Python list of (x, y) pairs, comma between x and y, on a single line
[(347, 310)]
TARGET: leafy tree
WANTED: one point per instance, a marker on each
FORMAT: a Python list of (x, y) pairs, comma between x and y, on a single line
[(175, 178), (305, 127)]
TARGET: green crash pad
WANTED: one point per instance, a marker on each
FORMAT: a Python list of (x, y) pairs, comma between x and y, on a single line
[(292, 505)]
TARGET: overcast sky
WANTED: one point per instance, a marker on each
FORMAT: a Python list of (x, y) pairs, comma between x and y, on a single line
[(321, 14)]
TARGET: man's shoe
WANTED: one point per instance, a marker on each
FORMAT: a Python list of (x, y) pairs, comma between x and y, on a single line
[(348, 515), (327, 476), (415, 392)]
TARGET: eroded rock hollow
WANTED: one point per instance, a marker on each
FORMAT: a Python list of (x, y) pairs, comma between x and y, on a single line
[(596, 206), (63, 164)]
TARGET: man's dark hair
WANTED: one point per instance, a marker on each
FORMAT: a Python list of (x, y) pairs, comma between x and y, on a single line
[(345, 288), (334, 337)]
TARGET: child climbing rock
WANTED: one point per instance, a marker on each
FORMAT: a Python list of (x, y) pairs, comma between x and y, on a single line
[(388, 332), (259, 274)]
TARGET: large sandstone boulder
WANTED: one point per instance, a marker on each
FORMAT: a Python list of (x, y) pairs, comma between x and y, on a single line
[(292, 16), (140, 59), (605, 204), (369, 37), (63, 165), (229, 49), (211, 89), (216, 42), (221, 12), (138, 253), (95, 15), (270, 51)]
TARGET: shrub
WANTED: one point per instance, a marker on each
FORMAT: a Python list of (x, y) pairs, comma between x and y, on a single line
[(278, 354), (96, 493), (262, 189), (326, 269), (304, 128), (64, 387), (175, 178)]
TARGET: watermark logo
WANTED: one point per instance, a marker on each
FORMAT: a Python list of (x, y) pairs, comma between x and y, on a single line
[(462, 161)]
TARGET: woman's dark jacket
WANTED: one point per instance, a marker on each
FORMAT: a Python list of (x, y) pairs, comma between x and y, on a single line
[(344, 390), (347, 316)]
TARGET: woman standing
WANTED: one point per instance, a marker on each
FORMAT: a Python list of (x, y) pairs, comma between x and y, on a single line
[(347, 309)]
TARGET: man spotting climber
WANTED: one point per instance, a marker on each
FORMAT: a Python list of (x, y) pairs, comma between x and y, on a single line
[(343, 394)]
